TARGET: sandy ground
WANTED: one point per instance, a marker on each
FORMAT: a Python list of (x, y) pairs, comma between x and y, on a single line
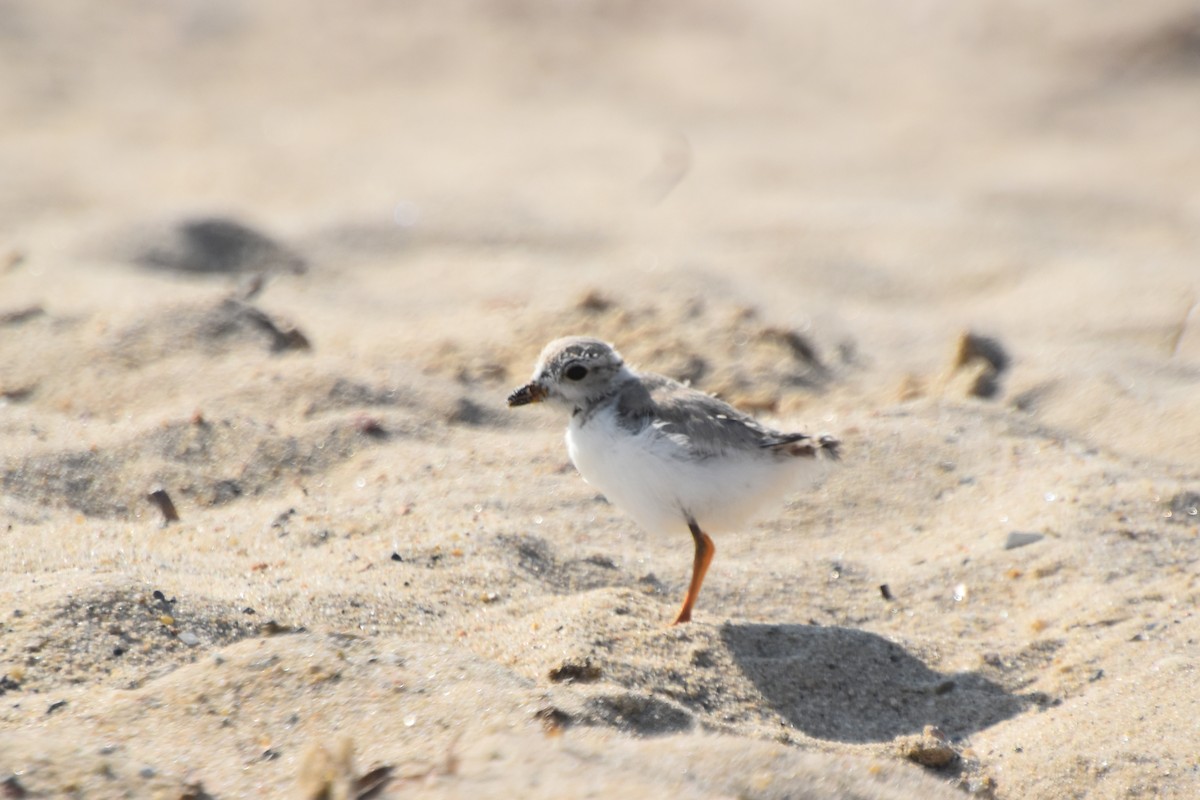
[(283, 261)]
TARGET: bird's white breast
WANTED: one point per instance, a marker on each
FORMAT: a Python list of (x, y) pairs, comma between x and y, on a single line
[(651, 476)]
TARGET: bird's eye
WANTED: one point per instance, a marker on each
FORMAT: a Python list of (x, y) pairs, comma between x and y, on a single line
[(576, 372)]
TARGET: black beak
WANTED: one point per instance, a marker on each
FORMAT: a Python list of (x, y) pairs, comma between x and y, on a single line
[(529, 393)]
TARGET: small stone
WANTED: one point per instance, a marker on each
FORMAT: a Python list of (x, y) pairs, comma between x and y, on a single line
[(554, 720), (1020, 539), (981, 360), (189, 638), (12, 787), (594, 301), (575, 672), (160, 498), (273, 628), (195, 791), (369, 426), (930, 748), (211, 245), (1185, 508)]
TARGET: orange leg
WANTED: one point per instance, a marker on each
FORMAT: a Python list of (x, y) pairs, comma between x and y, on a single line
[(704, 556)]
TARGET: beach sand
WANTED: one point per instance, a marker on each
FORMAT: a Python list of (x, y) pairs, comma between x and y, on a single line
[(280, 263)]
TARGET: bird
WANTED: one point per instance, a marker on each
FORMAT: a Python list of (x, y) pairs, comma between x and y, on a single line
[(668, 455)]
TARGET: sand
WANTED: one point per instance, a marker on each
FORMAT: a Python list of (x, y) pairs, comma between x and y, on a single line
[(282, 262)]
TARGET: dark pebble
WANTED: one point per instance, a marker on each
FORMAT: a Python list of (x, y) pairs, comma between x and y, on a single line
[(1020, 539)]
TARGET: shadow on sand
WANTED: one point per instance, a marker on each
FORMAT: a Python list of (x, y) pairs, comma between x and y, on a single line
[(848, 685)]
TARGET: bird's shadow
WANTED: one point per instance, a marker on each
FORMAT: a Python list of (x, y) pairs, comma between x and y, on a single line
[(848, 685)]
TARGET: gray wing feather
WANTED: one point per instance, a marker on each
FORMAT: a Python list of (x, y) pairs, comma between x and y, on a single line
[(702, 424)]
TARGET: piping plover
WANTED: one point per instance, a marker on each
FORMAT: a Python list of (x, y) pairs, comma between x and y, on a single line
[(669, 456)]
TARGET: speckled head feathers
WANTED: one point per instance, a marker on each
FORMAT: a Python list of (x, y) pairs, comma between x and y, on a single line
[(583, 349), (574, 371)]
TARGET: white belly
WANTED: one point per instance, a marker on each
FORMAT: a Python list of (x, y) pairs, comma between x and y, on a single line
[(647, 477)]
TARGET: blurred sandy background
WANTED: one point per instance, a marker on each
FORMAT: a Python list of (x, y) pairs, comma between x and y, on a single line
[(284, 260)]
